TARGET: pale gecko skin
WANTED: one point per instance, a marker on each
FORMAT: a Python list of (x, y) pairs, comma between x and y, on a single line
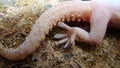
[(99, 14)]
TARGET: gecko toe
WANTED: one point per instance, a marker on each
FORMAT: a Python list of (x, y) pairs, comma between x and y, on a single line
[(73, 39), (72, 42), (59, 36), (67, 44), (63, 25), (62, 41)]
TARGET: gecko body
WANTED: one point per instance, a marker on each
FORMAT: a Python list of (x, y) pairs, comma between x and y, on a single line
[(99, 14)]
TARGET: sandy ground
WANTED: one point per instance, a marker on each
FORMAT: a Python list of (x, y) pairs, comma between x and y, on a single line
[(48, 55)]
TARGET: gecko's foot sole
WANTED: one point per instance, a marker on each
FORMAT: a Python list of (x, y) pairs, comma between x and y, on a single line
[(68, 38)]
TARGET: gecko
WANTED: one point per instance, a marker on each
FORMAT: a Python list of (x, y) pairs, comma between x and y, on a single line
[(100, 13)]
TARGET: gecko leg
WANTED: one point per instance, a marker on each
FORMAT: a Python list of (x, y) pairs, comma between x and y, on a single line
[(98, 24)]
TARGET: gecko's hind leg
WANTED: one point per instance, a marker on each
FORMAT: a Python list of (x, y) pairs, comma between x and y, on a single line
[(69, 38)]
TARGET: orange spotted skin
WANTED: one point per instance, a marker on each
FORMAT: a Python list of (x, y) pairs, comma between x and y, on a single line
[(69, 10)]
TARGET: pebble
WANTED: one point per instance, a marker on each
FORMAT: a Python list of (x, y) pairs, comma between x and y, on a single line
[(68, 55), (35, 59)]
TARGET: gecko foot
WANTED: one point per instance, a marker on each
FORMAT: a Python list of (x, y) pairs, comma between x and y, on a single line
[(69, 38)]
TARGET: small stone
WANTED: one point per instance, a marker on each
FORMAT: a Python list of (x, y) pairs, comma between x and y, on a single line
[(68, 55), (35, 59), (59, 60)]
